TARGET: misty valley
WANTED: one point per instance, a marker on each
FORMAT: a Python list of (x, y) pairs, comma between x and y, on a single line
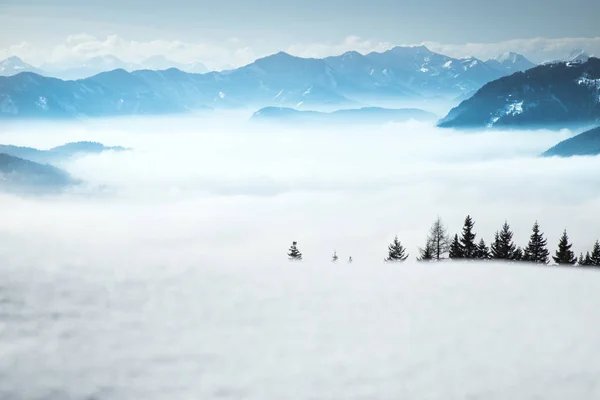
[(393, 224)]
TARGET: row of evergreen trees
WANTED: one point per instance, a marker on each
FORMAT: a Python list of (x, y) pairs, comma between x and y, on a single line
[(439, 245), (465, 246)]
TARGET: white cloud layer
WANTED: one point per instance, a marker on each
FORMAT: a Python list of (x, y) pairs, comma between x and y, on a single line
[(235, 52)]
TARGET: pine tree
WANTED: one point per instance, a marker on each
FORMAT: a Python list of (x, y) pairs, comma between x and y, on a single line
[(519, 254), (334, 258), (294, 254), (438, 239), (503, 247), (588, 260), (426, 253), (564, 255), (483, 252), (581, 261), (467, 239), (595, 255), (456, 250), (536, 250), (396, 252)]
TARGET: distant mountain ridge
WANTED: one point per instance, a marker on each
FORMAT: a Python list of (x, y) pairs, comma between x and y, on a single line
[(584, 144), (351, 79), (25, 176), (14, 65), (557, 93), (59, 153), (367, 115)]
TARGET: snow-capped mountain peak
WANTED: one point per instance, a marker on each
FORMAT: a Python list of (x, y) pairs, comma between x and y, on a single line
[(14, 65), (578, 55)]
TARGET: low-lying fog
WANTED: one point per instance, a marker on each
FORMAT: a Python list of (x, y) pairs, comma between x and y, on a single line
[(165, 276), (223, 190)]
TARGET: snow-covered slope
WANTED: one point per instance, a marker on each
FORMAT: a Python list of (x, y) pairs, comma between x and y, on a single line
[(550, 94), (299, 331)]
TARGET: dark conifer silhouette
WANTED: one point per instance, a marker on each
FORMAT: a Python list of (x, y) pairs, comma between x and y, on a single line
[(581, 260), (564, 255), (426, 253), (595, 255), (483, 252), (467, 239), (396, 252), (334, 258), (536, 250), (587, 262), (294, 253), (503, 247), (519, 254), (456, 250)]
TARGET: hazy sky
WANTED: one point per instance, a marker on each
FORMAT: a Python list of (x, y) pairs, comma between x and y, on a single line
[(236, 31)]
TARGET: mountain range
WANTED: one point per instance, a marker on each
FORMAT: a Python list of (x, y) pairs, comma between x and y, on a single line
[(95, 65), (367, 115), (351, 79), (560, 94)]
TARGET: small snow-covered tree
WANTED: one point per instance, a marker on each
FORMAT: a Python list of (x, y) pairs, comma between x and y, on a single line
[(503, 247), (396, 252), (334, 258), (595, 255), (564, 255), (536, 250), (426, 253), (483, 252), (294, 254)]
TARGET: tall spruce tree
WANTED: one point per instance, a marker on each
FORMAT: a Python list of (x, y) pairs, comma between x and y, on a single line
[(536, 250), (396, 252), (564, 255), (595, 255), (483, 252), (294, 254), (503, 247), (467, 239), (456, 250), (438, 239)]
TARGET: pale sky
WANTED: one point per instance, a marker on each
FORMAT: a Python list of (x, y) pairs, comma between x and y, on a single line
[(238, 31)]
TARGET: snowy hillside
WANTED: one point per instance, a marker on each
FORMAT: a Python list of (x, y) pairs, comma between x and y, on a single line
[(301, 331)]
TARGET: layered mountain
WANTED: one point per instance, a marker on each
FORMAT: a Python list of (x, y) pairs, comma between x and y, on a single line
[(106, 63), (24, 176), (367, 115), (584, 144), (160, 62), (14, 65), (57, 154), (282, 80), (558, 93)]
